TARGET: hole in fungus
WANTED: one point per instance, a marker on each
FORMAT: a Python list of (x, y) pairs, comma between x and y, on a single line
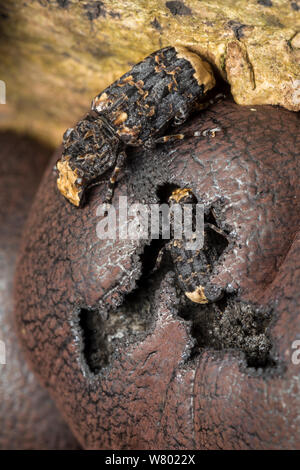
[(226, 324)]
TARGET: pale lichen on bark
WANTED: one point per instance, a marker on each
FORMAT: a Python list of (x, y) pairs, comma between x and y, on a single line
[(56, 55)]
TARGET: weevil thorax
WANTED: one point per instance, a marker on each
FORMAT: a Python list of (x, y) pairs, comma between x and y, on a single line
[(89, 150), (143, 102)]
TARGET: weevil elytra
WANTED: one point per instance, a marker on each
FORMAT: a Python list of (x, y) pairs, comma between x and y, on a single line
[(136, 110)]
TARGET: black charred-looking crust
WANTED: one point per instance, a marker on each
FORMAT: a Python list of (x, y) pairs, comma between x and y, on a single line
[(142, 103)]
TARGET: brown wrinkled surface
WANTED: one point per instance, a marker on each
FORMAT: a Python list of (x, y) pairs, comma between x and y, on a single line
[(153, 394), (29, 419)]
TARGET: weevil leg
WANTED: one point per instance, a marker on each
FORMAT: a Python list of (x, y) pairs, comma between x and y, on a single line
[(182, 116), (205, 133), (185, 112), (169, 138), (112, 180)]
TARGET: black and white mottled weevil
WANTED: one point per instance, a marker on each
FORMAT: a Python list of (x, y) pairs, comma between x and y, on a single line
[(135, 110)]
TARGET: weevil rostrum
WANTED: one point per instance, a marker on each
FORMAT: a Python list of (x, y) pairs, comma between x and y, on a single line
[(136, 110)]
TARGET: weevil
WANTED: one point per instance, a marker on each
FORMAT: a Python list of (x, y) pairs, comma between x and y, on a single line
[(194, 268), (135, 111)]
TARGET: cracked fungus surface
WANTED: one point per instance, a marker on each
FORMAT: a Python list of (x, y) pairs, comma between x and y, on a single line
[(158, 372), (75, 49)]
